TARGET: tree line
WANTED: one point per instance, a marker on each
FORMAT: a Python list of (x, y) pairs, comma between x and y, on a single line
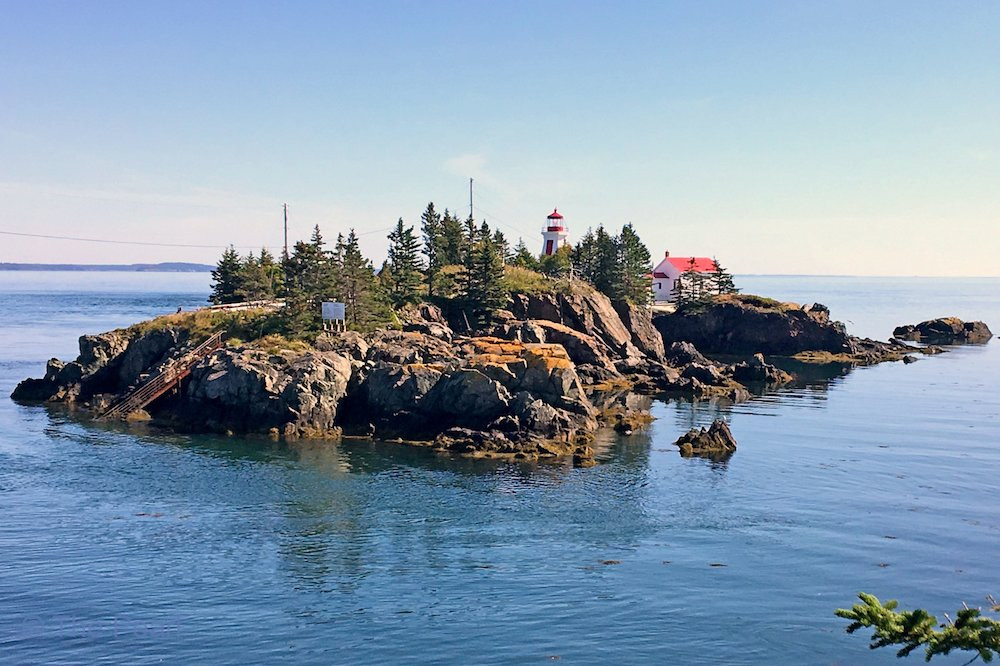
[(453, 261)]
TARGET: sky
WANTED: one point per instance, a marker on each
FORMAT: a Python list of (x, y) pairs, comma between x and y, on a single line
[(835, 137)]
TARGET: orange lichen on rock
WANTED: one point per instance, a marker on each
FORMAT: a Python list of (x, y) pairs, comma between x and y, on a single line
[(550, 356)]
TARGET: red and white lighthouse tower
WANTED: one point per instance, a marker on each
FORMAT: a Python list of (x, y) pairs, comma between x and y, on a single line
[(555, 233)]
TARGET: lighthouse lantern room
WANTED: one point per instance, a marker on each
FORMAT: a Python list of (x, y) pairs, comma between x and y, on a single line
[(554, 234)]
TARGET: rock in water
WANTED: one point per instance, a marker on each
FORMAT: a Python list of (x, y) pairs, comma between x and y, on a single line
[(714, 442), (945, 330)]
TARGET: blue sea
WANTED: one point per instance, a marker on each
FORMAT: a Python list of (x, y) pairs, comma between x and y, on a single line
[(124, 545)]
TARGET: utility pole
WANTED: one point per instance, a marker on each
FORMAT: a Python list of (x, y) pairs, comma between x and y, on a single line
[(470, 199), (284, 207)]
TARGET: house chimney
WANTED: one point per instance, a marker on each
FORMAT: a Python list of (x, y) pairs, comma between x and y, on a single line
[(666, 255)]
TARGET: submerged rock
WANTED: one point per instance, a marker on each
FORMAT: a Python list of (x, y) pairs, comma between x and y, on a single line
[(945, 330), (756, 369)]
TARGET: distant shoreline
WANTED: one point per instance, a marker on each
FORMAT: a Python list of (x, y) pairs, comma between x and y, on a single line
[(165, 267)]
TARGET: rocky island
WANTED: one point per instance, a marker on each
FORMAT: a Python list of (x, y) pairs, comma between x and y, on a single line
[(481, 350), (536, 383)]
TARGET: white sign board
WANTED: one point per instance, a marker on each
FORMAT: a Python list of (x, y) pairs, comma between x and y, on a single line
[(333, 311)]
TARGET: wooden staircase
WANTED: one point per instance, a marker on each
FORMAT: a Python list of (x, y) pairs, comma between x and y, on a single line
[(168, 377)]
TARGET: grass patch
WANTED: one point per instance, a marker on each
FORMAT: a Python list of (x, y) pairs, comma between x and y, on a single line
[(275, 343), (240, 326), (755, 301), (526, 281)]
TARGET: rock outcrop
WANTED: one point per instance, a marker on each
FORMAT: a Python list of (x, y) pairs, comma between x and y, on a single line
[(716, 441), (108, 363), (746, 325), (945, 331), (741, 326)]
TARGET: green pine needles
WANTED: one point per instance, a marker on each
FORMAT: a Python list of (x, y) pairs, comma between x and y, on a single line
[(969, 631)]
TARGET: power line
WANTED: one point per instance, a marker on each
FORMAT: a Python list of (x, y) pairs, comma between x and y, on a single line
[(123, 242), (151, 244), (506, 224)]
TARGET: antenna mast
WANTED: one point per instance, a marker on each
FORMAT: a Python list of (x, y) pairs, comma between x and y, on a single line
[(470, 199), (284, 208)]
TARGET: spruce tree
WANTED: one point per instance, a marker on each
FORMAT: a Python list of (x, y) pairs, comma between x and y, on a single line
[(453, 239), (227, 278), (360, 291), (607, 267), (483, 286), (523, 257), (634, 284), (500, 241), (431, 229), (403, 266), (310, 278), (584, 256), (723, 280)]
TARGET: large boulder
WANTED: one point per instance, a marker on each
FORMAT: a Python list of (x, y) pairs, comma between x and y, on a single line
[(347, 343), (679, 354), (392, 389), (404, 347), (466, 397), (945, 330), (249, 390), (99, 351)]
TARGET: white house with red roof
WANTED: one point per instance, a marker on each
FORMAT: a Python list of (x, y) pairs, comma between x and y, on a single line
[(667, 271)]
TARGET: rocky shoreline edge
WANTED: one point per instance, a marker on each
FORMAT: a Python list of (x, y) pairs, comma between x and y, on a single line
[(537, 384)]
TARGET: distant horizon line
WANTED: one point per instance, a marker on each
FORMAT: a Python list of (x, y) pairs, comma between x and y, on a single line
[(197, 267)]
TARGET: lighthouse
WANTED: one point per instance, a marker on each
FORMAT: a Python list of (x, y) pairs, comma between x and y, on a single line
[(554, 234)]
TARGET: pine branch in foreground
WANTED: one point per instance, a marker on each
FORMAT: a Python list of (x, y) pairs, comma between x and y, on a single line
[(970, 631)]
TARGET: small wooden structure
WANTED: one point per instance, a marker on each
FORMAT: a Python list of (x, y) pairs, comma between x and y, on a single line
[(167, 378)]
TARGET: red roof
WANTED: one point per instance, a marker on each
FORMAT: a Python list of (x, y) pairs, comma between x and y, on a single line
[(554, 215), (701, 264)]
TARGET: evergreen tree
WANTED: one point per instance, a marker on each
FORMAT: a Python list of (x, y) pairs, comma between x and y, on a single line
[(585, 256), (453, 239), (634, 283), (483, 287), (227, 278), (523, 257), (360, 291), (310, 278), (260, 278), (431, 228), (403, 266), (723, 280), (607, 267), (500, 241)]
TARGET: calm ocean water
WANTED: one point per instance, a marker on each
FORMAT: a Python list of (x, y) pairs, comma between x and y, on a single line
[(128, 546)]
